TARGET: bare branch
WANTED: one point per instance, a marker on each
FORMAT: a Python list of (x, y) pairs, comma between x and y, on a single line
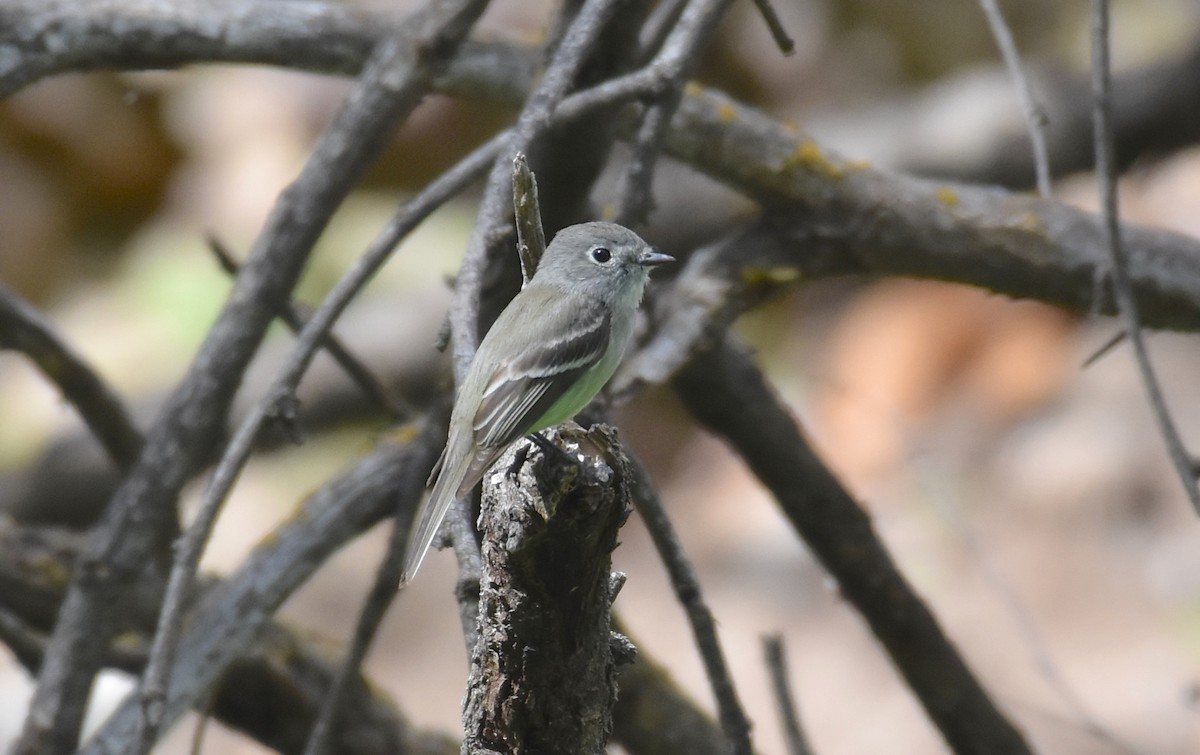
[(726, 392), (1127, 304), (674, 61), (776, 661), (24, 329), (227, 620), (550, 526), (734, 724), (1035, 116), (45, 37), (786, 44), (855, 219), (359, 373), (271, 691)]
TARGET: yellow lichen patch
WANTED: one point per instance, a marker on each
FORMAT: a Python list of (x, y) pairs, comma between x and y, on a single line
[(726, 113), (758, 276), (808, 156), (858, 166), (404, 434), (271, 538), (693, 89), (1031, 222), (50, 569), (947, 197), (130, 642)]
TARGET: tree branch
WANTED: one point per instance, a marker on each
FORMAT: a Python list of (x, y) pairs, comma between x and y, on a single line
[(191, 545), (227, 620), (281, 674), (271, 691), (725, 391), (735, 726), (878, 222), (543, 669), (1127, 304), (24, 329)]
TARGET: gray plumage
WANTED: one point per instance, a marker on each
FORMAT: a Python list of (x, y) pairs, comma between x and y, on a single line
[(551, 350)]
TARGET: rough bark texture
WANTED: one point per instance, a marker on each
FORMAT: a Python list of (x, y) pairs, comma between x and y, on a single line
[(543, 670)]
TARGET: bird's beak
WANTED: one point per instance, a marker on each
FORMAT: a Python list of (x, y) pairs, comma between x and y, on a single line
[(654, 258)]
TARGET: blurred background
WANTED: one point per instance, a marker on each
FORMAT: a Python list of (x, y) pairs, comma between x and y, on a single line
[(1028, 499)]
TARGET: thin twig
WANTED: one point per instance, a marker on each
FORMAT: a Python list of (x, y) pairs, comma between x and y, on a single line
[(396, 408), (383, 591), (1106, 175), (24, 328), (734, 723), (531, 237), (1104, 348), (674, 61), (785, 702), (1010, 599), (786, 44), (658, 27), (1035, 115), (201, 729)]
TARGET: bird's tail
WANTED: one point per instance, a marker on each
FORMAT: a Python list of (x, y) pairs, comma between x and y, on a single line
[(433, 511)]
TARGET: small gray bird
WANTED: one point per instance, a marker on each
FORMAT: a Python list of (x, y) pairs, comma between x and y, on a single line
[(549, 353)]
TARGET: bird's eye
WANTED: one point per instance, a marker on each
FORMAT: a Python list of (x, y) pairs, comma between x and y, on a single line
[(601, 255)]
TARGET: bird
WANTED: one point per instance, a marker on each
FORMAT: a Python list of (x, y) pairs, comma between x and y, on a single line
[(544, 359)]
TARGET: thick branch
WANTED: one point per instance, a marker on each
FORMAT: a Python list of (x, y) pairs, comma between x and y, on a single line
[(866, 220), (848, 217), (725, 391), (543, 671), (45, 37)]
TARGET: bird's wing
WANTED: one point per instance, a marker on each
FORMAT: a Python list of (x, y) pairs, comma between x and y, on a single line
[(519, 392), (574, 337)]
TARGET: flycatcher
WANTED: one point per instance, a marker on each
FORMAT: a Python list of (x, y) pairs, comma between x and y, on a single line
[(548, 354)]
